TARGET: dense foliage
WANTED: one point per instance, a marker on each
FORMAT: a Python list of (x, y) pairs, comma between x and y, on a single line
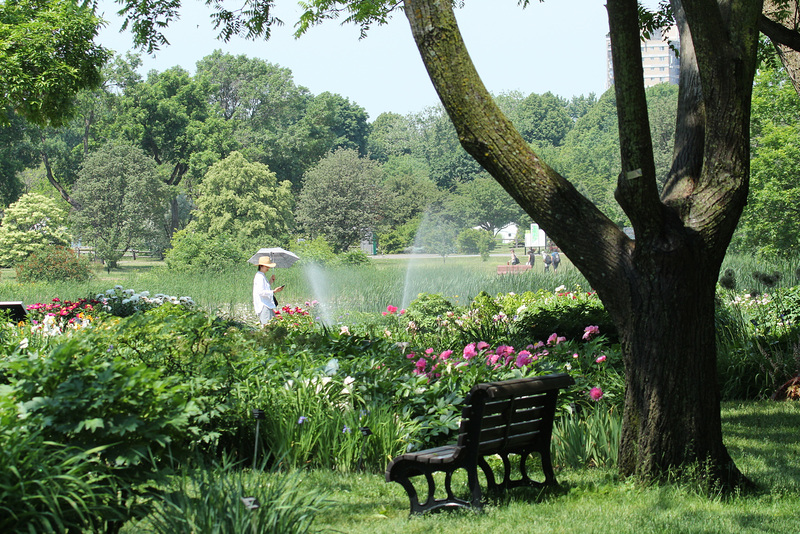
[(31, 224)]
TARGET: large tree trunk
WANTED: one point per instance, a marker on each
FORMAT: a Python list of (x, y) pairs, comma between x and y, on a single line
[(659, 289)]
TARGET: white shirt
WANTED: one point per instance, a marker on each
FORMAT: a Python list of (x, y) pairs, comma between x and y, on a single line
[(262, 293)]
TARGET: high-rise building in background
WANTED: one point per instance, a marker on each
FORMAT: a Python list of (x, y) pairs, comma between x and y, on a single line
[(659, 61)]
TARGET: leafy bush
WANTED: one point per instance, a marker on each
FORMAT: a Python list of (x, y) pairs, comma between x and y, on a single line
[(399, 238), (317, 251), (82, 396), (424, 310), (567, 313), (473, 241), (353, 257), (31, 224), (195, 251), (758, 340), (53, 264)]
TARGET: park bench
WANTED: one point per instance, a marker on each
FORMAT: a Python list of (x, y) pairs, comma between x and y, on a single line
[(498, 418), (506, 269)]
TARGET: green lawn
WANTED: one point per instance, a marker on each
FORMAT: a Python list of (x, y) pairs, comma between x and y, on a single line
[(763, 437)]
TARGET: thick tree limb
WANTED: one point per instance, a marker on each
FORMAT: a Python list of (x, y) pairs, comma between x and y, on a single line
[(778, 33), (591, 240), (637, 191)]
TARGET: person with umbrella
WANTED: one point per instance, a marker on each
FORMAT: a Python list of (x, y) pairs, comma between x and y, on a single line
[(264, 302)]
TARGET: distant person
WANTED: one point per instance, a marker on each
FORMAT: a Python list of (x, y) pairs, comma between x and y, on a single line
[(264, 301), (547, 259), (556, 259), (531, 257), (514, 258)]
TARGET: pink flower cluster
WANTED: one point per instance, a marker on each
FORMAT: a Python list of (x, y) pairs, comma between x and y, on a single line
[(66, 311), (590, 331), (431, 364), (391, 310)]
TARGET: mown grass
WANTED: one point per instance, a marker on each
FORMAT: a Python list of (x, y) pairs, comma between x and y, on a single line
[(761, 436)]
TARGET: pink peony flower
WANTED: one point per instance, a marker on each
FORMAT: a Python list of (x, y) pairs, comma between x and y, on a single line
[(482, 345), (553, 339), (469, 351), (421, 364), (429, 350), (601, 358), (446, 354), (391, 309), (492, 359), (590, 331), (523, 358), (596, 393)]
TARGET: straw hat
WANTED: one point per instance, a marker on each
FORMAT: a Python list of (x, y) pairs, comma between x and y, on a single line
[(264, 260)]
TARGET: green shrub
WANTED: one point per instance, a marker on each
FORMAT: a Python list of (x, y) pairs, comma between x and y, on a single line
[(195, 251), (474, 241), (353, 257), (758, 342), (568, 314), (399, 238), (317, 251), (424, 310), (83, 396), (53, 264)]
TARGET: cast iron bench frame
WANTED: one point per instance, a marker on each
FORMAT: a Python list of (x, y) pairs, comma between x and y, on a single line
[(507, 417)]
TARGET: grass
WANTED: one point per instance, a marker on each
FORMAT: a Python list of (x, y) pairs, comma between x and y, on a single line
[(761, 436), (357, 289)]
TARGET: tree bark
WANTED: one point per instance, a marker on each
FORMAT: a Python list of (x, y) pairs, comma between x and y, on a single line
[(660, 288)]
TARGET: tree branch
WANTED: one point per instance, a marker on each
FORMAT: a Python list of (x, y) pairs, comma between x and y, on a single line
[(55, 183), (591, 240), (778, 33), (637, 191)]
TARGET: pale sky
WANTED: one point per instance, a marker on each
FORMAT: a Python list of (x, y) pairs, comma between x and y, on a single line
[(557, 46)]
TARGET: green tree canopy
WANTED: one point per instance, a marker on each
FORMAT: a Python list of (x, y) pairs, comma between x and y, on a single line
[(342, 199), (123, 200), (770, 223), (484, 203), (47, 55), (29, 225), (243, 201)]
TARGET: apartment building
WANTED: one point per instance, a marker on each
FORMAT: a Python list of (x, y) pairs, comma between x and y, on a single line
[(659, 61)]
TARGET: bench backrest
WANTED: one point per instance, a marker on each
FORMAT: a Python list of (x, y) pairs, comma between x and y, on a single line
[(511, 415)]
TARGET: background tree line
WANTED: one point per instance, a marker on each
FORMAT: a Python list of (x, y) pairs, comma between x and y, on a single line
[(238, 156)]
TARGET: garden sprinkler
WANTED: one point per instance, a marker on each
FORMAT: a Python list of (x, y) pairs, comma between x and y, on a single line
[(257, 415)]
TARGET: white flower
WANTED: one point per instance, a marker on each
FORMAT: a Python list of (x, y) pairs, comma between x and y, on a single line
[(344, 330), (23, 344), (144, 294), (561, 288), (117, 288)]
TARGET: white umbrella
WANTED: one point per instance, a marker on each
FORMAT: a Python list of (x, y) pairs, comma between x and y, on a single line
[(279, 256)]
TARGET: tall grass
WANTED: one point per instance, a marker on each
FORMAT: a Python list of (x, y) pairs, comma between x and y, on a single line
[(353, 289)]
